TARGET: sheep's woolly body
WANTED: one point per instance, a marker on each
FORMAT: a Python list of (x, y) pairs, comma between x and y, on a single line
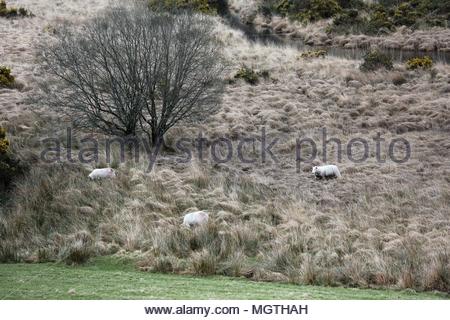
[(327, 172), (195, 218), (102, 174)]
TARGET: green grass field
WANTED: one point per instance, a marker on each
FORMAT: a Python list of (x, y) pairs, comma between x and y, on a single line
[(106, 278)]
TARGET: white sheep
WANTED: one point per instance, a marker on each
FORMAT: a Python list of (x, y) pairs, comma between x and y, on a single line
[(327, 172), (102, 174), (195, 218)]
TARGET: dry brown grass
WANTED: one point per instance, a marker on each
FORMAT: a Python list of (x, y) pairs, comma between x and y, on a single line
[(381, 225)]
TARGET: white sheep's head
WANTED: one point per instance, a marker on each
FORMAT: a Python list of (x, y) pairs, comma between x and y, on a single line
[(315, 170)]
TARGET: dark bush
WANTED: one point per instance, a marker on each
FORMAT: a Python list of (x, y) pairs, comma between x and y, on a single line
[(10, 167), (203, 6), (6, 79), (352, 4), (379, 22), (348, 21), (324, 9), (308, 10), (248, 75), (375, 60), (405, 15), (13, 12)]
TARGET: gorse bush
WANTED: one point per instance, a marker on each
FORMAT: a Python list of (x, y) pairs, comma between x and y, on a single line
[(248, 75), (419, 63), (4, 143), (376, 60), (10, 167), (13, 12), (314, 54), (6, 79)]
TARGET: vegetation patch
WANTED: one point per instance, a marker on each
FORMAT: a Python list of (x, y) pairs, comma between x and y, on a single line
[(385, 16), (13, 12), (6, 79), (419, 63), (376, 60), (314, 54), (348, 21), (309, 10), (203, 6), (248, 75), (9, 166)]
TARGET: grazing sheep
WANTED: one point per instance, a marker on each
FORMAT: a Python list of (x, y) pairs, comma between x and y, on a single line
[(195, 218), (327, 172), (102, 174)]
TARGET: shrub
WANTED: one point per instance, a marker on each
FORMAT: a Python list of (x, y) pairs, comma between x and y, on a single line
[(13, 12), (4, 143), (379, 21), (324, 9), (375, 60), (309, 10), (204, 6), (349, 21), (314, 54), (248, 75), (405, 15), (10, 167), (6, 79), (419, 63), (352, 4)]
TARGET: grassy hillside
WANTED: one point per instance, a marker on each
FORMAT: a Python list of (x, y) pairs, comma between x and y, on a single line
[(110, 279), (384, 224)]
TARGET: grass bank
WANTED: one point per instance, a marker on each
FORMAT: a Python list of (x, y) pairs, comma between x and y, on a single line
[(108, 278)]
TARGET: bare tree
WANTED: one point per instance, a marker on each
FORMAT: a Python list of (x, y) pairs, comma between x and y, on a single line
[(131, 71)]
